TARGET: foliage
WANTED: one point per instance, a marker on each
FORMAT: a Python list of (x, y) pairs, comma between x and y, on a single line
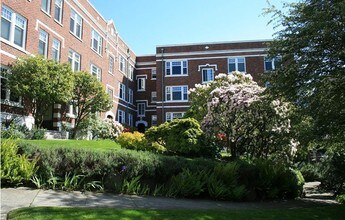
[(333, 169), (15, 168), (134, 141), (244, 119), (311, 42), (12, 132), (15, 131), (42, 83), (341, 199), (89, 97), (180, 137), (310, 172), (103, 129)]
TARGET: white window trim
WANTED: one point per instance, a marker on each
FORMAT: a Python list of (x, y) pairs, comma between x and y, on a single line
[(130, 96), (236, 63), (273, 61), (143, 84), (111, 88), (153, 70), (123, 94), (7, 100), (144, 109), (130, 72), (152, 116), (171, 115), (153, 92), (74, 55), (61, 9), (121, 58), (46, 41), (130, 119), (202, 75), (123, 113), (48, 5), (99, 71), (175, 75), (111, 70), (96, 36), (12, 29), (171, 87), (57, 49), (75, 18)]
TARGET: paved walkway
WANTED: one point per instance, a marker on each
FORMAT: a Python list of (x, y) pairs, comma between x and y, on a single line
[(13, 198)]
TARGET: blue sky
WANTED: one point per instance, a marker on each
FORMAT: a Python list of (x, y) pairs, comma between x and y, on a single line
[(144, 24)]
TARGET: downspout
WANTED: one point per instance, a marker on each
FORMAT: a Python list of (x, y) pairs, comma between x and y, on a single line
[(127, 83), (163, 92)]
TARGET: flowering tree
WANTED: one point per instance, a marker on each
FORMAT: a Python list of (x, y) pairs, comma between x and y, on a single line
[(246, 119)]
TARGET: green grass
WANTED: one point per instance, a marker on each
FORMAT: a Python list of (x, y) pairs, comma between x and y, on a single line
[(57, 213), (81, 144)]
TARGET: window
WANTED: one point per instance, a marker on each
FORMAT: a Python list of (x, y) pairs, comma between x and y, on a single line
[(141, 84), (76, 24), (121, 116), (122, 91), (58, 11), (154, 74), (130, 119), (173, 115), (271, 64), (96, 71), (141, 109), (122, 64), (176, 93), (74, 60), (110, 93), (6, 96), (13, 27), (56, 50), (153, 120), (207, 75), (237, 64), (131, 72), (45, 6), (96, 42), (130, 95), (176, 68), (43, 43), (154, 96), (111, 64)]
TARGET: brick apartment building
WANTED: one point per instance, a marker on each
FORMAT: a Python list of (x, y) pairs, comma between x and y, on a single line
[(146, 90)]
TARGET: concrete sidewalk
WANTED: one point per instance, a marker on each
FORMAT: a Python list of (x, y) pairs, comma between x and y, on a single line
[(13, 198)]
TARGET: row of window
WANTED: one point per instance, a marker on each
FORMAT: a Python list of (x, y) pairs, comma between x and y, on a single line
[(121, 117), (122, 93)]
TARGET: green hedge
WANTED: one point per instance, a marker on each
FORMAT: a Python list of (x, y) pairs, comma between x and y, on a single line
[(139, 172)]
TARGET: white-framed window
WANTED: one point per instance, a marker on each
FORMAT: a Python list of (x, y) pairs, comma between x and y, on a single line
[(13, 27), (74, 60), (121, 116), (153, 120), (154, 96), (45, 6), (111, 64), (176, 68), (58, 11), (271, 64), (176, 93), (130, 119), (122, 91), (154, 74), (56, 50), (96, 42), (96, 71), (141, 84), (141, 109), (76, 24), (169, 116), (6, 96), (207, 75), (237, 64), (43, 43), (122, 64), (130, 72), (110, 92), (130, 96)]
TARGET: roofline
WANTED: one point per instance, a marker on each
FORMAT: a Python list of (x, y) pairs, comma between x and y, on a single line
[(147, 55), (215, 42)]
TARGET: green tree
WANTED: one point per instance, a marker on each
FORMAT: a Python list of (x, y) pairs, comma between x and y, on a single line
[(41, 83), (89, 97), (311, 42)]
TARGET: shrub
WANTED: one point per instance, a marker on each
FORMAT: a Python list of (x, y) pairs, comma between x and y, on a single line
[(134, 141), (341, 199), (310, 172), (180, 137), (12, 132), (15, 169), (102, 129)]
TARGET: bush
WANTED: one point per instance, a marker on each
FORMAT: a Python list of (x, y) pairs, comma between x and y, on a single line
[(12, 132), (341, 199), (134, 141), (182, 137), (101, 129), (15, 168), (310, 172)]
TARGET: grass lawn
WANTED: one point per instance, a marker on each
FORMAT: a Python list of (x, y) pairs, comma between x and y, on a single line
[(57, 213), (84, 144)]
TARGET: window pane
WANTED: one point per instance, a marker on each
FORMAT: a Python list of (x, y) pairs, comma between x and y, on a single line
[(57, 13), (240, 60), (176, 70), (41, 48), (5, 29), (78, 31), (18, 36), (232, 67), (268, 65), (241, 67), (177, 96), (71, 25)]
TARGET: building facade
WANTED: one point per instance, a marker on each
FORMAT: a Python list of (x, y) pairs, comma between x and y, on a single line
[(146, 90)]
